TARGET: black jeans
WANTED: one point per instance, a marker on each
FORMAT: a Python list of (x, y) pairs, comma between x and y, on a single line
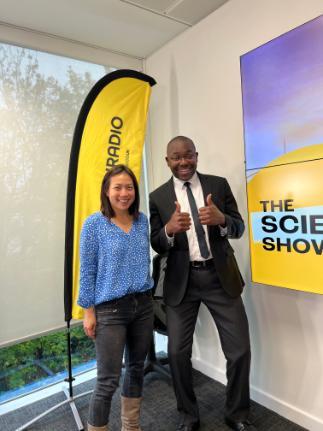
[(125, 323)]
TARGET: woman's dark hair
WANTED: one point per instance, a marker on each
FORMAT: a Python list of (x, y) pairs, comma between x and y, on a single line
[(106, 207)]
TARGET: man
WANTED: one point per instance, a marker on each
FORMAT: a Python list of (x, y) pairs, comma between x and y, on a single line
[(192, 216)]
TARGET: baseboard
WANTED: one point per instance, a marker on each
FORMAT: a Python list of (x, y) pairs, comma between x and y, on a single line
[(206, 368), (288, 411)]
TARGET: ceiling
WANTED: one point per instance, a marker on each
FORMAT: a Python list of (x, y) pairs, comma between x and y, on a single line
[(133, 27)]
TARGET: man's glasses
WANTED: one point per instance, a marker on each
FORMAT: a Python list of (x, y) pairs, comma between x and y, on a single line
[(188, 157)]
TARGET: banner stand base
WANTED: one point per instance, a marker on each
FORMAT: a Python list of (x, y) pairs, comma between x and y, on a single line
[(68, 393), (69, 400)]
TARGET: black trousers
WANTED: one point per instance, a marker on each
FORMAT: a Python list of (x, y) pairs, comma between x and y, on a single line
[(231, 321)]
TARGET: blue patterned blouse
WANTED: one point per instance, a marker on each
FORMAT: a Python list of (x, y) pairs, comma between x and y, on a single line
[(113, 263)]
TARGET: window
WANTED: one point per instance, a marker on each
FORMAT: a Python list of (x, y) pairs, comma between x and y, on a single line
[(40, 98), (36, 363)]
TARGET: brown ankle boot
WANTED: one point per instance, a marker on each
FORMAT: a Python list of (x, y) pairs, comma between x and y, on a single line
[(130, 409), (92, 428)]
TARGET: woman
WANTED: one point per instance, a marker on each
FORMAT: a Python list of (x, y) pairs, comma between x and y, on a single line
[(115, 292)]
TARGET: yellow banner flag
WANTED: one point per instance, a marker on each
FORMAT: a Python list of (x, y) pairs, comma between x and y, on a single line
[(110, 130)]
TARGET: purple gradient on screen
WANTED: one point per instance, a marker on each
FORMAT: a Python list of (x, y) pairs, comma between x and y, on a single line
[(282, 87)]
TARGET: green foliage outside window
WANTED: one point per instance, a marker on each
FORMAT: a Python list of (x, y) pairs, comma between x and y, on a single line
[(42, 357)]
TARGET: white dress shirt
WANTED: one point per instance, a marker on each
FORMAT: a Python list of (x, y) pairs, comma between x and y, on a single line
[(182, 199)]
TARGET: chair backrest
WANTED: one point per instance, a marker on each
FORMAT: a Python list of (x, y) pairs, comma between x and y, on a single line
[(159, 265)]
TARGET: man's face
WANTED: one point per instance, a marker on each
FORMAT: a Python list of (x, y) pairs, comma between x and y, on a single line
[(182, 159)]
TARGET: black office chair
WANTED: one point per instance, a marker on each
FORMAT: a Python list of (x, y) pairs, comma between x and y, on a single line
[(153, 363)]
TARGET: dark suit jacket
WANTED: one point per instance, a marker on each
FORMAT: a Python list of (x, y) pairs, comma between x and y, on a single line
[(162, 205)]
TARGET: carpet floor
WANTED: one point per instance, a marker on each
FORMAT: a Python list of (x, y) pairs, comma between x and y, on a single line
[(158, 409)]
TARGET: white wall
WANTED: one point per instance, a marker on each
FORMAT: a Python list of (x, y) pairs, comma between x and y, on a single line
[(199, 95)]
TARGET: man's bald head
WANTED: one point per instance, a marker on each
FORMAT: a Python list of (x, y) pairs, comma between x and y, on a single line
[(183, 139)]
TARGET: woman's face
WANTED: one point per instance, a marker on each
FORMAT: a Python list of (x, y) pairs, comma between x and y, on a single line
[(121, 192)]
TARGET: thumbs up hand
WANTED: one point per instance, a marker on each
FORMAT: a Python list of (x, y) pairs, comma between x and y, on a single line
[(179, 221), (177, 207), (210, 214)]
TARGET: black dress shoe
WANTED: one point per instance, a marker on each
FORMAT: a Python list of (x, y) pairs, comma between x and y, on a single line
[(189, 427), (240, 425)]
